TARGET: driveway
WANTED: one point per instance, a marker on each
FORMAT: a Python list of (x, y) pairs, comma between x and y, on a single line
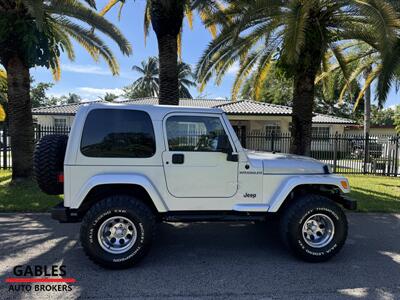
[(210, 261)]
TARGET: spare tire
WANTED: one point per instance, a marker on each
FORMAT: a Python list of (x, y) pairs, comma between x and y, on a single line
[(48, 163)]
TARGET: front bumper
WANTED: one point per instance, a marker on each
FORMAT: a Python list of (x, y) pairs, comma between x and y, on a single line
[(64, 214), (346, 201)]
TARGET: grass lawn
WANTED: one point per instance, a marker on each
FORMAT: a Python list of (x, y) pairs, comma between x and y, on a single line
[(25, 197), (373, 193)]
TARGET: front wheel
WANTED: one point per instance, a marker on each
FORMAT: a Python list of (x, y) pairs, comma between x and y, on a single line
[(314, 228), (117, 231)]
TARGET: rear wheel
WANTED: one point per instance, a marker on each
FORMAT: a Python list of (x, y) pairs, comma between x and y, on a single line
[(314, 228), (117, 232)]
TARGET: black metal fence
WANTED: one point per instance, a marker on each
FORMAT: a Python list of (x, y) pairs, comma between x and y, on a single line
[(39, 131), (345, 153)]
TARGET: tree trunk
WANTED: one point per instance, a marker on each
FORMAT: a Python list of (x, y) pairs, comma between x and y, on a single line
[(20, 118), (166, 20), (367, 105), (303, 101), (367, 119), (168, 70)]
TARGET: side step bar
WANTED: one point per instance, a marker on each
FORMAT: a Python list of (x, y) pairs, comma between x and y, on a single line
[(218, 216)]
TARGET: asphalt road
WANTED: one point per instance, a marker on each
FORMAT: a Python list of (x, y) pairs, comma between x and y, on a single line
[(210, 261)]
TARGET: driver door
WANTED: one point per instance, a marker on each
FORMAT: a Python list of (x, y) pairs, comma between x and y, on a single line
[(195, 162)]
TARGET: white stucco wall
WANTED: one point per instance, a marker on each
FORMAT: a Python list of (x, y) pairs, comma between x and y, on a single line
[(44, 120), (372, 131), (257, 123)]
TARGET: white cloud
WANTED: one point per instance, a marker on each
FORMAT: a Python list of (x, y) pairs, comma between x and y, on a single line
[(95, 70), (91, 92), (85, 69)]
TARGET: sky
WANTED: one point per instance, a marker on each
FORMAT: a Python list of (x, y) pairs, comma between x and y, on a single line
[(91, 79)]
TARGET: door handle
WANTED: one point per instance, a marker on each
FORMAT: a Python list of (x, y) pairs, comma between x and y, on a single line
[(178, 159)]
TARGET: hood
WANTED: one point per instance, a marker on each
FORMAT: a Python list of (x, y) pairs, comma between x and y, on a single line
[(279, 163)]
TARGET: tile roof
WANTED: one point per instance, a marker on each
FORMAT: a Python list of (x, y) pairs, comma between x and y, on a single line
[(66, 109), (242, 107), (249, 107), (328, 119), (205, 103)]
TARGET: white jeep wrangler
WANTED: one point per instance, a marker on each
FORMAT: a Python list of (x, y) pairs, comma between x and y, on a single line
[(125, 167)]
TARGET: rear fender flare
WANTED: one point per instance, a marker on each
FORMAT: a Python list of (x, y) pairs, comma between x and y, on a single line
[(134, 179)]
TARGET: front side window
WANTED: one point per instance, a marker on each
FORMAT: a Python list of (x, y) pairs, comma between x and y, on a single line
[(196, 133), (118, 133)]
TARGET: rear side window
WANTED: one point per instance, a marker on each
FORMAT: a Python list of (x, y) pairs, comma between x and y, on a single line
[(118, 133)]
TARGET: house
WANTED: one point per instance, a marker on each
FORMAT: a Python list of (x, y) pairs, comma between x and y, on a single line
[(245, 115)]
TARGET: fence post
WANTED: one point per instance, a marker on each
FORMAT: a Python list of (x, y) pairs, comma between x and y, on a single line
[(243, 136), (396, 156), (5, 146), (366, 153), (272, 141), (335, 152)]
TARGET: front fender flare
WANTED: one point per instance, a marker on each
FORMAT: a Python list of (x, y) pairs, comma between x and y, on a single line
[(292, 182), (134, 179)]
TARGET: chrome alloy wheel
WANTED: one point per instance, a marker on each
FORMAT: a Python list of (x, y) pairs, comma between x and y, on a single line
[(318, 230), (117, 235)]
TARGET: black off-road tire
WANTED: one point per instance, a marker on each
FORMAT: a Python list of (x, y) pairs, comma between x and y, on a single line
[(48, 163), (118, 206), (296, 214)]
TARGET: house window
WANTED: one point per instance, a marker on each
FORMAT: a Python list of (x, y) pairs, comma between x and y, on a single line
[(320, 131), (60, 123), (272, 128)]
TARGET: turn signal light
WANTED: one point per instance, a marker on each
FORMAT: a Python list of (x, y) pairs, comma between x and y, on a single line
[(345, 184)]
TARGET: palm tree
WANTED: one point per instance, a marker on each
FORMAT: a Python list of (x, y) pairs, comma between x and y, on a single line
[(147, 85), (186, 80), (166, 17), (371, 67), (108, 97), (148, 81), (300, 36), (34, 33)]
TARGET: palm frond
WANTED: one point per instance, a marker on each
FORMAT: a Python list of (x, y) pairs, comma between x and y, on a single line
[(110, 4), (371, 77), (91, 42), (36, 10), (147, 20), (76, 10), (294, 40), (262, 72)]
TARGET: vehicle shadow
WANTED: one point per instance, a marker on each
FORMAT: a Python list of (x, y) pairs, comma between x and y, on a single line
[(210, 260)]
